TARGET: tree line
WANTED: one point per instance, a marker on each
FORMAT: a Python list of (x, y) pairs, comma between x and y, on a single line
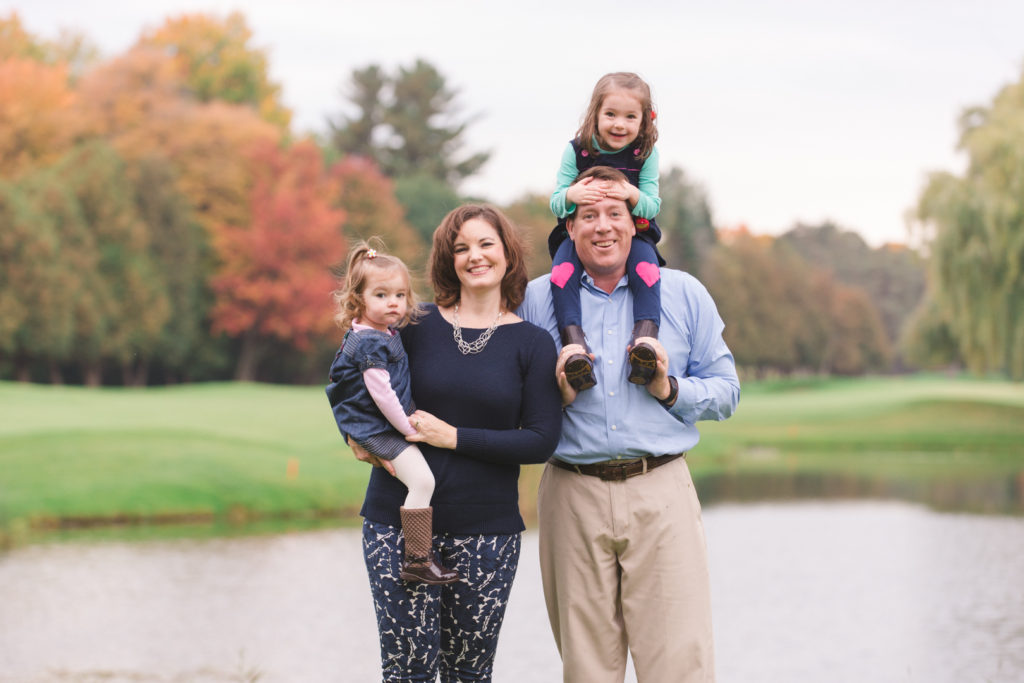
[(160, 222)]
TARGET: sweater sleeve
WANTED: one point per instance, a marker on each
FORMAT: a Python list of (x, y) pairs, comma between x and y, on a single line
[(567, 172), (649, 203), (540, 417), (378, 383)]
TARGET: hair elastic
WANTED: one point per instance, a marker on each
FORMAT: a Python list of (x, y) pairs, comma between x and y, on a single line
[(371, 253)]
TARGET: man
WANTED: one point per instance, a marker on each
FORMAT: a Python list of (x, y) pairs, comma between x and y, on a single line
[(623, 557)]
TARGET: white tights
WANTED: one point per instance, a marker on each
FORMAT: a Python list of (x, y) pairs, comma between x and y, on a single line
[(412, 470)]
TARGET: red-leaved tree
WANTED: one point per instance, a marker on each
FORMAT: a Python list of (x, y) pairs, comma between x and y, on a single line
[(273, 283), (368, 198)]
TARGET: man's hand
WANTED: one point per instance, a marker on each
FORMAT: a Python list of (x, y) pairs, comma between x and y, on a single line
[(364, 455)]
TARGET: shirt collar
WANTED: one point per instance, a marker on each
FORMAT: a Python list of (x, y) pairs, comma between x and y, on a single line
[(588, 281)]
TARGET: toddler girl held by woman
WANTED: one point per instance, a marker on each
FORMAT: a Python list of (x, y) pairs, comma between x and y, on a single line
[(370, 394), (617, 130)]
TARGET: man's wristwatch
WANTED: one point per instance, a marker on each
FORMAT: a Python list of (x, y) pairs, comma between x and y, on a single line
[(673, 391)]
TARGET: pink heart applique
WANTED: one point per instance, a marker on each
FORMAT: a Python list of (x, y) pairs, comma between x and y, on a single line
[(648, 272), (561, 273)]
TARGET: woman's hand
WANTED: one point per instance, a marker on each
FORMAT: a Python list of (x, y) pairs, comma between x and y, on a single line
[(433, 430), (364, 455)]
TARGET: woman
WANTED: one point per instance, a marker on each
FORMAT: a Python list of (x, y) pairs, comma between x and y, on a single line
[(483, 381)]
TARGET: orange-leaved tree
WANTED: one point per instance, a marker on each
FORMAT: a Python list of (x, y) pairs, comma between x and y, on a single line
[(273, 284), (139, 103), (35, 114)]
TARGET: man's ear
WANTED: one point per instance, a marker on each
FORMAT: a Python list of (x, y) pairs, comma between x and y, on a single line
[(570, 227)]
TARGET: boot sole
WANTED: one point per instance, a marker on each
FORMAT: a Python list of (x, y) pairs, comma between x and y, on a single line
[(643, 361), (580, 372), (413, 578)]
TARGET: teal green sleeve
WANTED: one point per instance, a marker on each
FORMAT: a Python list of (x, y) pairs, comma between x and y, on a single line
[(567, 173), (649, 203)]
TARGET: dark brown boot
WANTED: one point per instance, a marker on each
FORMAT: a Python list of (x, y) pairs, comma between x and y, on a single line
[(643, 360), (419, 565), (579, 369)]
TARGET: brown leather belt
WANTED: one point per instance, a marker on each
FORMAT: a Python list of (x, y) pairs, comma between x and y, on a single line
[(618, 470)]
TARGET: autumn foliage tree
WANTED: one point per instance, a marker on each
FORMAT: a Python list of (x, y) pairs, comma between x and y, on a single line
[(156, 223), (71, 49), (136, 102), (784, 315), (892, 275), (36, 117), (213, 56), (531, 214), (16, 42), (367, 197), (273, 282)]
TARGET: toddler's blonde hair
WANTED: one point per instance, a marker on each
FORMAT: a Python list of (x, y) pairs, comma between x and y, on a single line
[(348, 297)]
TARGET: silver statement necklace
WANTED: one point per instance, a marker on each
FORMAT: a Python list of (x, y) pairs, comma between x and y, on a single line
[(481, 341)]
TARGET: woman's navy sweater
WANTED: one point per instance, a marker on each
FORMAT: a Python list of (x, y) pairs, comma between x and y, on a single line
[(505, 404)]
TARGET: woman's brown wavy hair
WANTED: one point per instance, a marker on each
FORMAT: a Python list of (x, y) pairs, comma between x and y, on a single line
[(444, 279)]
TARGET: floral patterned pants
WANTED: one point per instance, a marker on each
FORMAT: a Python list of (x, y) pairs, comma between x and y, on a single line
[(449, 630)]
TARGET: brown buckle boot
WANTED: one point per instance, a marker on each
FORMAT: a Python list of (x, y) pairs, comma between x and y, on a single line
[(579, 369), (643, 359), (420, 565)]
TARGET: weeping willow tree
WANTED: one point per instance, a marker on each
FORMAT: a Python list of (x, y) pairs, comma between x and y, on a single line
[(976, 226)]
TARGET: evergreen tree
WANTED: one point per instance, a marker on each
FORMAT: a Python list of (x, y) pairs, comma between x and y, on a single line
[(408, 123)]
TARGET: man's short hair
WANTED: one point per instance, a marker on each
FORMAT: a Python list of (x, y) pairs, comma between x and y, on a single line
[(600, 173)]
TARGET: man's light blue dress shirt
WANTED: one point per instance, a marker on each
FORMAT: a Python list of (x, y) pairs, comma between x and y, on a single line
[(617, 419)]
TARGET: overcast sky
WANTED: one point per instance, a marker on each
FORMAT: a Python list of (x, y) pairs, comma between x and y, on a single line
[(784, 110)]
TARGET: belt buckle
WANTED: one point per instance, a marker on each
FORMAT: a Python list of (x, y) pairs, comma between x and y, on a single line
[(620, 473)]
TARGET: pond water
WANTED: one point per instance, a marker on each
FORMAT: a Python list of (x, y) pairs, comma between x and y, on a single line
[(806, 591)]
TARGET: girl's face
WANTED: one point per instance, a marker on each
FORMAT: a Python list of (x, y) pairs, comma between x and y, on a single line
[(480, 262), (618, 119), (385, 298)]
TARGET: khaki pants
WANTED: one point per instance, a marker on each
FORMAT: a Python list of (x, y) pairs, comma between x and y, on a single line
[(624, 566)]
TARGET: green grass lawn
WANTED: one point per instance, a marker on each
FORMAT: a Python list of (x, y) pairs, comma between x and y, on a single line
[(212, 452), (955, 444), (230, 453)]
